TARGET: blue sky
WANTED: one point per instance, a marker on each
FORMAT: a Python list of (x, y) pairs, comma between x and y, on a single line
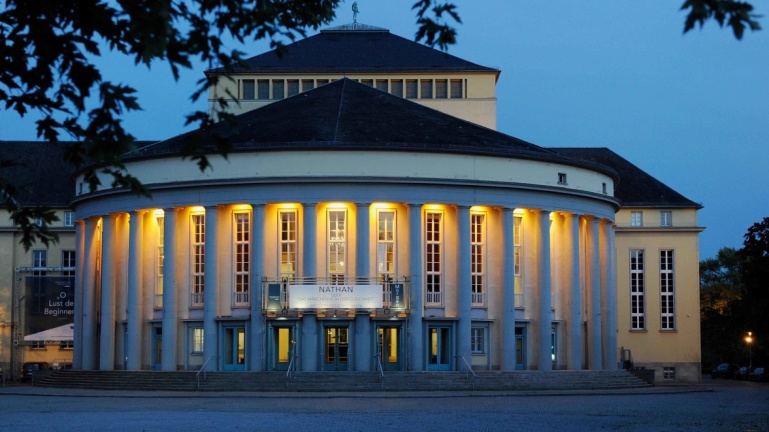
[(692, 110)]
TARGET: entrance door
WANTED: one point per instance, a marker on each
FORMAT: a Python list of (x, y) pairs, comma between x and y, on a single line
[(157, 348), (520, 348), (387, 348), (336, 349), (440, 348), (234, 348), (282, 348)]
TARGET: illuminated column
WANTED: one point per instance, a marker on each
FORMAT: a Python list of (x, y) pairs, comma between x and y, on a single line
[(610, 317), (309, 354), (574, 317), (464, 286), (77, 353), (211, 284), (257, 357), (363, 351), (90, 286), (309, 250), (134, 296), (169, 290), (507, 341), (107, 339), (545, 328), (416, 346), (595, 359)]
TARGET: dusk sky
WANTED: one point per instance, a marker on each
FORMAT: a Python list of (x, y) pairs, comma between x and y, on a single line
[(691, 110)]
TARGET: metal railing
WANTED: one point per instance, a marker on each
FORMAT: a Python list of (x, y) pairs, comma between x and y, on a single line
[(469, 369), (291, 363), (203, 370), (380, 369)]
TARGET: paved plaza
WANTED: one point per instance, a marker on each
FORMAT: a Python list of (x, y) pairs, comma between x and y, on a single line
[(712, 406)]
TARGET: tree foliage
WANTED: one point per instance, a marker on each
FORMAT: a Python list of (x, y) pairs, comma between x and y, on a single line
[(49, 52)]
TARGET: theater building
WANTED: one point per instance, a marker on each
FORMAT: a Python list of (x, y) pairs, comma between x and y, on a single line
[(368, 216)]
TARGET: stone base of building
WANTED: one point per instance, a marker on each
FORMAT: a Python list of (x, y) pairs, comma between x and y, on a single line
[(673, 372)]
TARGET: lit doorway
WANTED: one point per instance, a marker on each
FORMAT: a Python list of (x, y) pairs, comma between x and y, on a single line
[(439, 351), (157, 348), (388, 347), (336, 349), (282, 347), (234, 348)]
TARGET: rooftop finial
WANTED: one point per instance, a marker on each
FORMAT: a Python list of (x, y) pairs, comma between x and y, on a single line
[(355, 12)]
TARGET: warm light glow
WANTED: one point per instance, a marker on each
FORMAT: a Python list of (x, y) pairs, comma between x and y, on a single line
[(241, 207), (159, 213), (336, 205), (434, 207), (382, 205), (519, 212), (477, 208), (197, 209), (749, 338)]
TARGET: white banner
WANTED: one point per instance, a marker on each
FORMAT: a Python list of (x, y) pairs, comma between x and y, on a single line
[(335, 296)]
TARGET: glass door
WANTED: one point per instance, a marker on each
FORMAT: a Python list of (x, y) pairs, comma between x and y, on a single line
[(234, 348), (157, 348), (439, 357), (388, 340), (520, 348), (336, 348), (282, 348)]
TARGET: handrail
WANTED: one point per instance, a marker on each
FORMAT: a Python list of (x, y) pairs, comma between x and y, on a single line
[(203, 369), (469, 369), (380, 369), (291, 362)]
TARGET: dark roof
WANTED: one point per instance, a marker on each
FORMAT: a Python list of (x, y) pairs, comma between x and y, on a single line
[(38, 172), (346, 115), (635, 187), (348, 49)]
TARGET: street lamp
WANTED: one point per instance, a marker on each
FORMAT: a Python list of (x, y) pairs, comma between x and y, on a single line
[(749, 341)]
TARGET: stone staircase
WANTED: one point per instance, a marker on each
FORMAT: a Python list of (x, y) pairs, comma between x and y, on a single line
[(341, 381)]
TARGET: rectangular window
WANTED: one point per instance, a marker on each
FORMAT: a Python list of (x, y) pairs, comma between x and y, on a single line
[(337, 242), (456, 89), (478, 260), (478, 340), (278, 89), (427, 89), (385, 249), (293, 87), (517, 243), (322, 82), (412, 89), (287, 243), (307, 84), (396, 88), (249, 89), (667, 291), (637, 290), (668, 374), (368, 82), (39, 261), (636, 219), (66, 345), (433, 257), (242, 271), (197, 340), (69, 219), (441, 89), (381, 85), (159, 259), (263, 89), (562, 178), (68, 262), (666, 218), (198, 248)]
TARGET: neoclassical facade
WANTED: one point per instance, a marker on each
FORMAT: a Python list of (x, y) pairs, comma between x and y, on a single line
[(350, 229)]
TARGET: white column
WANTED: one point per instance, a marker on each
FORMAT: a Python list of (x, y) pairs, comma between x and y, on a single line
[(257, 340), (610, 317), (464, 287), (107, 339), (169, 290), (574, 317), (508, 292), (545, 327), (363, 352), (77, 353), (135, 294), (90, 287), (211, 286), (594, 314), (309, 244), (415, 328)]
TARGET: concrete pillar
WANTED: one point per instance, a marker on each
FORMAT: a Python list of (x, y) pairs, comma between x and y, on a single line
[(257, 359), (310, 335), (464, 288), (90, 286), (594, 290), (211, 287), (108, 252), (507, 339), (610, 317), (574, 312), (544, 308), (364, 355), (135, 291), (415, 325), (310, 240), (170, 307), (77, 353)]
